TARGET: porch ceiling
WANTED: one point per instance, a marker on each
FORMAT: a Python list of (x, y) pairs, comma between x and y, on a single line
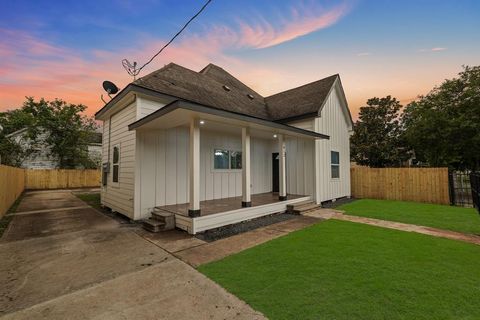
[(179, 113)]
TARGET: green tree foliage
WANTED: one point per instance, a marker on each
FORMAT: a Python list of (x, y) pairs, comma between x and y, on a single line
[(443, 127), (67, 131), (377, 138), (11, 152)]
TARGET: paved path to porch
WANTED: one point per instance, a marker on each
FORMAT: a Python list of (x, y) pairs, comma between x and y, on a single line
[(197, 252), (339, 215), (75, 263)]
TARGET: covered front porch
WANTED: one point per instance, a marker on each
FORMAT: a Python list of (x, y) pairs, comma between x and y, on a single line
[(221, 212), (213, 169), (209, 207)]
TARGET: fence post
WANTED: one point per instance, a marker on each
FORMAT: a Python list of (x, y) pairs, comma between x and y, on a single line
[(451, 187), (475, 184)]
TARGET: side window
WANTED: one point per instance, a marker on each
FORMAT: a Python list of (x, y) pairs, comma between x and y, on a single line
[(335, 164), (227, 159), (235, 160), (116, 163), (221, 159)]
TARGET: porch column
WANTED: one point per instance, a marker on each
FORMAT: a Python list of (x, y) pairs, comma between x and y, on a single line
[(282, 181), (246, 196), (194, 159)]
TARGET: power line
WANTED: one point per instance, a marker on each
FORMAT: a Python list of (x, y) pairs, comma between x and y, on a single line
[(132, 68)]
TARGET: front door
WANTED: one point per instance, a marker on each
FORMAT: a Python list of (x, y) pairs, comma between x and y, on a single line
[(275, 172)]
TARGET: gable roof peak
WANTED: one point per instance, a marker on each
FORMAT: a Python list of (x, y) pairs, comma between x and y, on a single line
[(332, 78)]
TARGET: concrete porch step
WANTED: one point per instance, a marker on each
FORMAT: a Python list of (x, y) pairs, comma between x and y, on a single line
[(153, 225), (160, 220), (299, 208), (161, 214)]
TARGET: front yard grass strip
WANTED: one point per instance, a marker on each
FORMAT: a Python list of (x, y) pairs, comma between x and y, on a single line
[(92, 199), (343, 270), (464, 220)]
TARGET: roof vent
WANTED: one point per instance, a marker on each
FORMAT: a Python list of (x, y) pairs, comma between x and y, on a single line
[(250, 96), (227, 88)]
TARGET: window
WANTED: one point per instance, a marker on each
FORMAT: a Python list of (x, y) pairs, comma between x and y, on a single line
[(335, 164), (235, 160), (221, 159), (116, 163), (226, 159)]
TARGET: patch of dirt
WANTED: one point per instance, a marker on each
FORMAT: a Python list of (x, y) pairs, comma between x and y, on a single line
[(338, 203), (241, 227)]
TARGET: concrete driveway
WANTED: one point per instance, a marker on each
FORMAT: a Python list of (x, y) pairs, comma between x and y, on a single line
[(61, 259)]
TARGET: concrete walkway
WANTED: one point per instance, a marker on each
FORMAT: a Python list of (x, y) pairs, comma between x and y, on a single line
[(75, 263), (219, 249), (339, 215)]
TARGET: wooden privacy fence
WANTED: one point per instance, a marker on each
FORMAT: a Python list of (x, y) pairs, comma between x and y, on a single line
[(60, 178), (407, 184), (12, 184)]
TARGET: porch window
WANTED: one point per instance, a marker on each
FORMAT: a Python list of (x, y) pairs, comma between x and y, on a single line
[(227, 159), (235, 160), (335, 164), (221, 159), (116, 162)]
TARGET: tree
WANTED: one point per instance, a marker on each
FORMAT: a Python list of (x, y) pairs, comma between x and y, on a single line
[(377, 138), (443, 127), (66, 131), (12, 152)]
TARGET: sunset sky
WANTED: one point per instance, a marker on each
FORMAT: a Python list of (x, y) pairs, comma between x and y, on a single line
[(65, 49)]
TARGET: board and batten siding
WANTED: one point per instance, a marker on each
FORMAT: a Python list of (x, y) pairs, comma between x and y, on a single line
[(300, 166), (332, 122), (164, 171)]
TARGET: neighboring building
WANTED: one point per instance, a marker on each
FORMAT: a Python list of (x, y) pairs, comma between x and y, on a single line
[(214, 152), (41, 158)]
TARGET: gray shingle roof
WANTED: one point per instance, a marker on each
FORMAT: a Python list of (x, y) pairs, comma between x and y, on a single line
[(208, 87), (306, 99), (205, 88)]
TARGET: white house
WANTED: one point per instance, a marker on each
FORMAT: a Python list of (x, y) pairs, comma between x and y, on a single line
[(206, 150)]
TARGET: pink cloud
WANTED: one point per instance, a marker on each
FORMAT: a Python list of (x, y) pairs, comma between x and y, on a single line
[(264, 33), (436, 49)]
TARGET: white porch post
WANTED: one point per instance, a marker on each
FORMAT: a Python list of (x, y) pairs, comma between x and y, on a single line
[(282, 194), (246, 196), (194, 159)]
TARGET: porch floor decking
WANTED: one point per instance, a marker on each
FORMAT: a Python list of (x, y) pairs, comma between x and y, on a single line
[(209, 207)]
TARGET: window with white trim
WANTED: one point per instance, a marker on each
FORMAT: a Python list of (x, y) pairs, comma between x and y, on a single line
[(227, 159), (116, 163), (335, 164)]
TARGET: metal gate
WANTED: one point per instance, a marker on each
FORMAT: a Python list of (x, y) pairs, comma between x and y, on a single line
[(475, 186), (460, 188)]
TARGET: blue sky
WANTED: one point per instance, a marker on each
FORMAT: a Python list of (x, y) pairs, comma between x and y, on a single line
[(65, 49)]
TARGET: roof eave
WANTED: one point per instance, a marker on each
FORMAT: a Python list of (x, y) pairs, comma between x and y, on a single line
[(298, 117), (187, 105)]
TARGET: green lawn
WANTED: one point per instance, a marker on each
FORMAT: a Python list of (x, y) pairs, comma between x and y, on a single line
[(344, 270), (93, 199), (459, 219)]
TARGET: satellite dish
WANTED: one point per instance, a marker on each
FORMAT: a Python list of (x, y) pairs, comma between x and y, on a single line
[(110, 87)]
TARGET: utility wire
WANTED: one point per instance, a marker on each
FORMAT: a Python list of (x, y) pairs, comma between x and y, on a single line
[(134, 71)]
